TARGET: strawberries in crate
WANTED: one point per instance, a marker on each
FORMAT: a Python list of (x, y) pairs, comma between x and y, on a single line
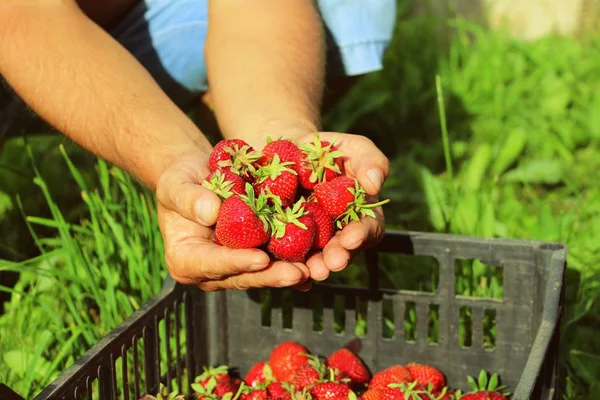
[(300, 196), (292, 372)]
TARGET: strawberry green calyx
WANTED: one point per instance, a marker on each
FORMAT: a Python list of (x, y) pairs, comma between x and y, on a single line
[(409, 390), (219, 185), (320, 158), (283, 217), (358, 206), (273, 169), (258, 204), (486, 384), (208, 391), (163, 394), (241, 161)]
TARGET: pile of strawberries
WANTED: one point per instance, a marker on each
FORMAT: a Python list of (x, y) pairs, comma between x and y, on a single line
[(287, 199), (292, 373)]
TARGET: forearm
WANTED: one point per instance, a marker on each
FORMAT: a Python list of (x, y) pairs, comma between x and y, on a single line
[(265, 62), (80, 80)]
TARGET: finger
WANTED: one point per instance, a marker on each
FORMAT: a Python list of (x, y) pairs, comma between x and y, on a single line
[(316, 265), (278, 274), (359, 234), (335, 256), (201, 259), (178, 191), (371, 167)]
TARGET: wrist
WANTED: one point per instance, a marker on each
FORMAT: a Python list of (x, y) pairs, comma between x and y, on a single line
[(153, 161)]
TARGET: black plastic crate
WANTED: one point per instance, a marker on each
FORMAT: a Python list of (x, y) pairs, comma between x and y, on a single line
[(229, 327)]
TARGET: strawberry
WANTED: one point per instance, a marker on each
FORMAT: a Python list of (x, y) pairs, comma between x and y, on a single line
[(284, 148), (330, 390), (279, 391), (259, 373), (277, 179), (310, 373), (350, 365), (286, 358), (324, 224), (255, 394), (321, 162), (484, 388), (344, 199), (224, 183), (426, 374), (372, 394), (412, 391), (235, 155), (229, 386), (220, 375), (293, 233), (393, 374), (243, 220), (214, 387)]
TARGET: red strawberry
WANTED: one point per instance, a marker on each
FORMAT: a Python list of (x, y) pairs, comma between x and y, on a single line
[(426, 374), (324, 224), (220, 374), (350, 365), (255, 394), (243, 221), (393, 374), (224, 183), (235, 155), (310, 373), (372, 394), (284, 148), (279, 391), (278, 179), (229, 386), (259, 373), (293, 233), (321, 162), (305, 376), (215, 383), (329, 390), (343, 199), (286, 358)]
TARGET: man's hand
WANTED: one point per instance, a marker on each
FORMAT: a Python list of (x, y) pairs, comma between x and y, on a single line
[(186, 212), (365, 162)]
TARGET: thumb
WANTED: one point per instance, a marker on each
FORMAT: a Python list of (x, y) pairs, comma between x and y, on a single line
[(371, 171), (179, 191)]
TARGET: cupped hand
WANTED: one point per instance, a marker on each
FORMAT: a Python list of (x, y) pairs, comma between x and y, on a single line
[(186, 213), (365, 162)]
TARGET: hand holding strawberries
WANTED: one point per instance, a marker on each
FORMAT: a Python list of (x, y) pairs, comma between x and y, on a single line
[(187, 212), (276, 212)]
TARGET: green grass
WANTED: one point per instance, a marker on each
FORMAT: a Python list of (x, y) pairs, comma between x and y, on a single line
[(487, 136)]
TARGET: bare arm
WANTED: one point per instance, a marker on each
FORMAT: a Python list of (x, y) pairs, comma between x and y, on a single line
[(85, 84), (265, 61)]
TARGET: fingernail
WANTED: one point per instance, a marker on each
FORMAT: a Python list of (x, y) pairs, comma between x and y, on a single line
[(204, 211), (375, 177)]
